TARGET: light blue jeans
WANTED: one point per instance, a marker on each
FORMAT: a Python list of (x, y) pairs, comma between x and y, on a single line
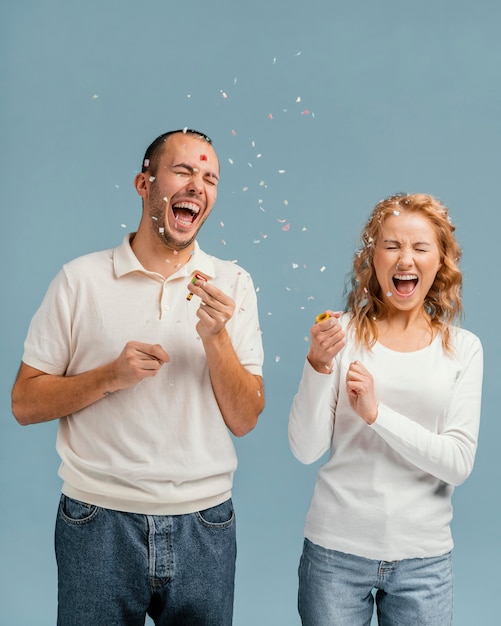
[(115, 568), (336, 589)]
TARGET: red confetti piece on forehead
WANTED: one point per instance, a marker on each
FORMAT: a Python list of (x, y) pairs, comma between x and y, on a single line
[(203, 157)]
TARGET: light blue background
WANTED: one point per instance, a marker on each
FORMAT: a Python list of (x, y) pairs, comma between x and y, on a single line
[(317, 108)]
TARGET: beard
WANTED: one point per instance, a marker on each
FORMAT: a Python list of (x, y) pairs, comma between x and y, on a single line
[(158, 209)]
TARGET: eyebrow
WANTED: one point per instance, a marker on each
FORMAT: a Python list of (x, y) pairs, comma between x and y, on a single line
[(190, 168), (415, 243)]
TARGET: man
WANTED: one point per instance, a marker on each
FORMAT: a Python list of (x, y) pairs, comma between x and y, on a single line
[(147, 385)]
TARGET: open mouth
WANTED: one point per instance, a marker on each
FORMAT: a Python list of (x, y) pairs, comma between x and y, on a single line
[(405, 284), (185, 213)]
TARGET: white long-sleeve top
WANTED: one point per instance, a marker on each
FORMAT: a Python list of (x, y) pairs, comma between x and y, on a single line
[(385, 491)]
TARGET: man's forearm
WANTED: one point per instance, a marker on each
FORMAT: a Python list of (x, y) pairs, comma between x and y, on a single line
[(239, 393)]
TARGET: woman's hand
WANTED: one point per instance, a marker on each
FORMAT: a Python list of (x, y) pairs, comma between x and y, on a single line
[(327, 339), (360, 388)]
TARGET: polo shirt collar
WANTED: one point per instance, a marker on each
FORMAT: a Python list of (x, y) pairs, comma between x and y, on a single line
[(126, 262)]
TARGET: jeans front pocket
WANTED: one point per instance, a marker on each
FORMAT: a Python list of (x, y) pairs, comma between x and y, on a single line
[(220, 516), (76, 512)]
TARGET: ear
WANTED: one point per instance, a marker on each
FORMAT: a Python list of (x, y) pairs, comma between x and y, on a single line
[(141, 184)]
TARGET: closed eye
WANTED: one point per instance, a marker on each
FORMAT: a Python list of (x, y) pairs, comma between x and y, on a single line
[(212, 180)]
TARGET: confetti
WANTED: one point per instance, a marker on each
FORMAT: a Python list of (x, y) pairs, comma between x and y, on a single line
[(323, 268), (270, 116), (152, 178), (146, 162), (298, 99), (230, 161), (396, 213), (286, 227), (203, 157), (281, 171), (389, 294)]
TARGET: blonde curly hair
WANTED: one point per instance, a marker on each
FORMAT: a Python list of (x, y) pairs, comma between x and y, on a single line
[(442, 303)]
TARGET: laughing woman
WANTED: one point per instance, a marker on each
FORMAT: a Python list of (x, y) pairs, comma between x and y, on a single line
[(392, 389)]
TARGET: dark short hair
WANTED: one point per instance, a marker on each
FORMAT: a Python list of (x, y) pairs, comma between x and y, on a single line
[(153, 150)]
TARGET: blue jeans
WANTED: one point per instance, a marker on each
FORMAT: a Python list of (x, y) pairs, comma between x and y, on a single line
[(115, 568), (336, 589)]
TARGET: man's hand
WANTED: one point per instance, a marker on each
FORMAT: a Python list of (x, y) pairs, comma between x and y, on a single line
[(215, 309), (137, 361)]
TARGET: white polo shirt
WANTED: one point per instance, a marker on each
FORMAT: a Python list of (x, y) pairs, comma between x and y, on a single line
[(161, 446)]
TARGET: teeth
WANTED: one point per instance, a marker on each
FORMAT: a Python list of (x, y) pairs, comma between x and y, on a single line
[(188, 206), (405, 277)]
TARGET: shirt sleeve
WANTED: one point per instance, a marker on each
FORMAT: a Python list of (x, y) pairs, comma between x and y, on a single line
[(245, 331), (311, 419), (48, 343), (449, 454)]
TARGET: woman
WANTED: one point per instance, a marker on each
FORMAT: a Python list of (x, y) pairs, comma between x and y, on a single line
[(392, 388)]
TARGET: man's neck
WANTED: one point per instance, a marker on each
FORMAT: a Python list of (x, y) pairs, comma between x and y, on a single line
[(159, 258)]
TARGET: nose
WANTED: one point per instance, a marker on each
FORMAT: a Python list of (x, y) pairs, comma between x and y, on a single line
[(405, 259), (196, 183)]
